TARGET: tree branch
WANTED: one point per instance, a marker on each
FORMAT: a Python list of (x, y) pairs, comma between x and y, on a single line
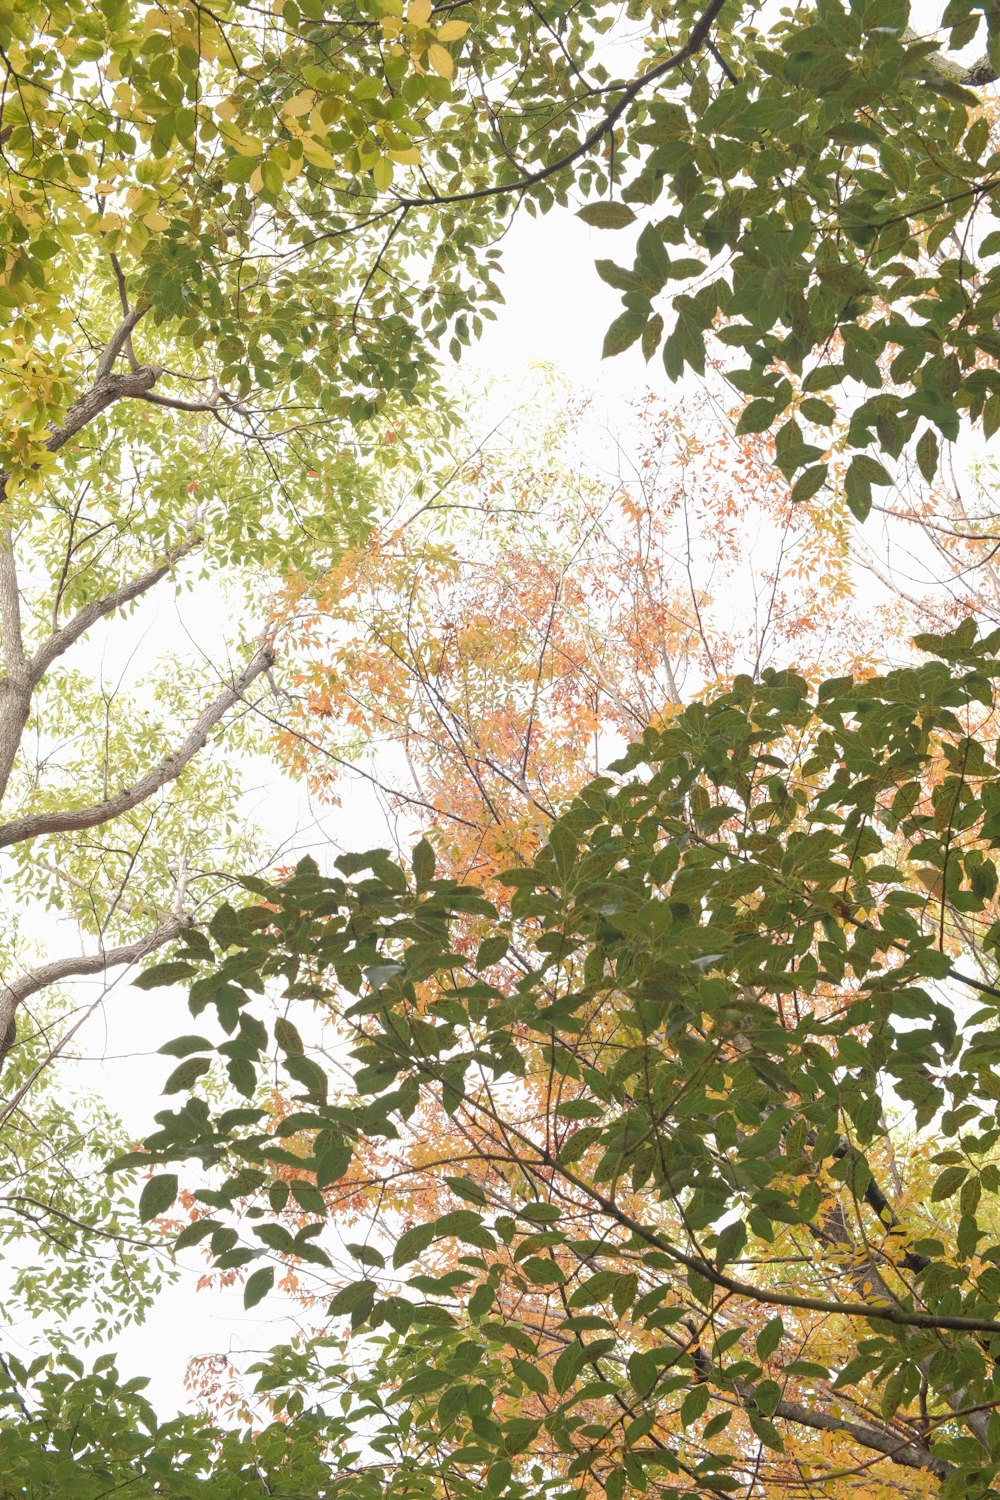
[(75, 966), (911, 1455), (11, 639), (696, 40), (72, 820), (117, 342), (107, 389), (966, 75), (81, 622), (178, 403)]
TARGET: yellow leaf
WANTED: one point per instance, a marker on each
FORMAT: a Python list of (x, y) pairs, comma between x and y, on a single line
[(299, 104), (155, 221), (407, 156), (391, 25), (452, 31), (382, 173), (256, 180), (227, 109), (418, 12), (317, 154), (441, 61)]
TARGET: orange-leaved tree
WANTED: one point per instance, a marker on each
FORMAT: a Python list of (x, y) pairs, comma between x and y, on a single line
[(489, 649)]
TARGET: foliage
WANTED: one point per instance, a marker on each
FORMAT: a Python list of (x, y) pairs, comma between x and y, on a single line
[(650, 1233), (615, 1148), (78, 1265), (511, 636), (80, 1432), (837, 183)]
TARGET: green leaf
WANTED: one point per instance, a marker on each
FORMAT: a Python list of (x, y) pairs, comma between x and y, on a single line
[(166, 973), (870, 468), (607, 215), (257, 1286), (642, 1373), (287, 1037), (184, 1076), (355, 1300), (857, 492), (568, 1366), (948, 1183), (769, 1338), (424, 863), (181, 1046), (413, 1243), (623, 332), (809, 483), (466, 1187), (758, 416), (927, 454), (695, 1404), (309, 1073), (157, 1196), (334, 1162)]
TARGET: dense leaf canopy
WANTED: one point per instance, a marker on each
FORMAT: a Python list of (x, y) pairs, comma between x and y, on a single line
[(660, 1105), (675, 1169)]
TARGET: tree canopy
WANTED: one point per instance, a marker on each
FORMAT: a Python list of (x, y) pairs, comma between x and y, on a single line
[(663, 1160), (629, 1168)]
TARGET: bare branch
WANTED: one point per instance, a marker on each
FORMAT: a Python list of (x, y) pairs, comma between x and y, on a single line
[(116, 343), (177, 403), (81, 622), (72, 967), (72, 820), (123, 296)]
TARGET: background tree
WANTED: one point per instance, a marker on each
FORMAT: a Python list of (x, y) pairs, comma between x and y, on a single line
[(485, 652)]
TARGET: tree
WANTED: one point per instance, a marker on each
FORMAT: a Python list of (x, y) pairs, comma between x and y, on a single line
[(213, 280), (495, 647), (264, 225), (656, 1242), (232, 220), (833, 181)]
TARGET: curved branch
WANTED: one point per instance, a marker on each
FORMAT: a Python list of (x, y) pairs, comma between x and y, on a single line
[(73, 967), (81, 622), (72, 820), (697, 39)]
